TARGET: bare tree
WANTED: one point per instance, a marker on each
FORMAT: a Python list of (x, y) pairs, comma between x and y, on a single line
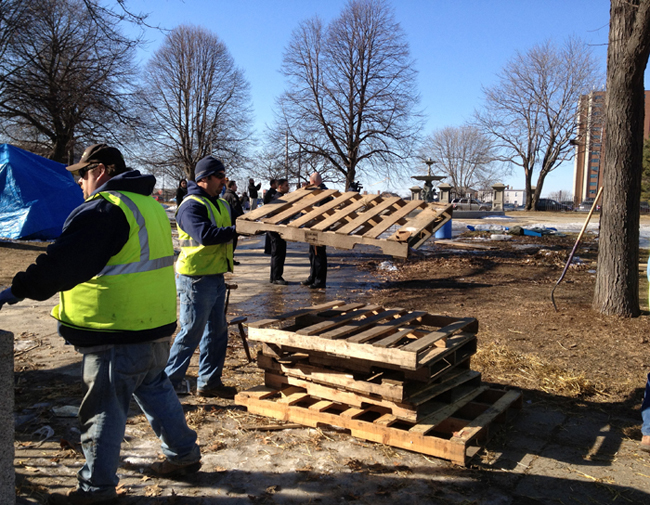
[(561, 196), (12, 17), (196, 101), (351, 94), (283, 157), (465, 155), (62, 80), (532, 111), (617, 281)]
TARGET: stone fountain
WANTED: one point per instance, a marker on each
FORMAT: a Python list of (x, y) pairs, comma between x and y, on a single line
[(427, 193)]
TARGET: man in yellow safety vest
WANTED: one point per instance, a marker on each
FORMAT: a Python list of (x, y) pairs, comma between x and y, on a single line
[(113, 266), (205, 231)]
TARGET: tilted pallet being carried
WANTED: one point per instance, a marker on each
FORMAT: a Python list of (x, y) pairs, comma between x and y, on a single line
[(389, 375), (343, 220)]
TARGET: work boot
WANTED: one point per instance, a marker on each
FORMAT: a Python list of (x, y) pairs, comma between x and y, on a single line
[(79, 497), (280, 282), (168, 470), (222, 391), (183, 388), (307, 282)]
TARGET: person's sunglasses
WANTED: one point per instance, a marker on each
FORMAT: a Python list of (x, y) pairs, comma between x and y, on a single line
[(220, 175), (83, 171)]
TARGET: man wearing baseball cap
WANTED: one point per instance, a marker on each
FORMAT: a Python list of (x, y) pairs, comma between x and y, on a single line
[(113, 267), (205, 232)]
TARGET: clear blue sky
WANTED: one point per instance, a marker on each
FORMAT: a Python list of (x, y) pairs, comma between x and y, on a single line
[(458, 46)]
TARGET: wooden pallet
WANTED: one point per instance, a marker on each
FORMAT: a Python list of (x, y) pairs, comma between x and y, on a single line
[(454, 432), (395, 337), (387, 384), (458, 353), (343, 220), (419, 407)]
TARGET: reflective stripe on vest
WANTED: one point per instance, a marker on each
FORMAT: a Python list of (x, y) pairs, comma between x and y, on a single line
[(191, 242), (198, 259), (145, 264), (136, 289)]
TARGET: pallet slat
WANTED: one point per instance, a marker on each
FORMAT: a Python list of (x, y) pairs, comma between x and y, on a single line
[(300, 206), (443, 333), (356, 326), (296, 313), (337, 321)]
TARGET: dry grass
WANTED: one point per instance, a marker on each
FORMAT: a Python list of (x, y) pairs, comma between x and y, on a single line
[(499, 363)]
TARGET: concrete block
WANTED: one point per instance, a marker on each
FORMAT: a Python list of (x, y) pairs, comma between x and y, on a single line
[(7, 474)]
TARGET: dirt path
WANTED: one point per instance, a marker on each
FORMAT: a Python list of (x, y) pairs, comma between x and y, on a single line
[(573, 442)]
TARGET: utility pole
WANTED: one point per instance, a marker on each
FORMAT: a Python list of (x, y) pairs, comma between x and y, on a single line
[(286, 155), (299, 165)]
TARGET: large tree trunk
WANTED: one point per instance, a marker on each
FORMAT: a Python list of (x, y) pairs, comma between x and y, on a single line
[(617, 282), (529, 192)]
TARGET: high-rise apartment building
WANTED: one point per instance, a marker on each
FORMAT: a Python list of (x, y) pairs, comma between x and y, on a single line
[(590, 142)]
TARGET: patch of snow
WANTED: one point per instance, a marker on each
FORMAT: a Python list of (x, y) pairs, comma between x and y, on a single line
[(388, 266)]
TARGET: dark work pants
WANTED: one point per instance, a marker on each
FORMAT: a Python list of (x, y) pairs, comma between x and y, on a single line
[(278, 254), (318, 264)]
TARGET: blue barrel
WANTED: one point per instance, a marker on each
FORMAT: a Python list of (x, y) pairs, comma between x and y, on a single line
[(445, 231)]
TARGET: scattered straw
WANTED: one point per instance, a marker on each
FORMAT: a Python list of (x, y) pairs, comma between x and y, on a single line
[(500, 363)]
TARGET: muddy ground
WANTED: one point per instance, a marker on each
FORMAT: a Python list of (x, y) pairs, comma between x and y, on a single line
[(573, 366)]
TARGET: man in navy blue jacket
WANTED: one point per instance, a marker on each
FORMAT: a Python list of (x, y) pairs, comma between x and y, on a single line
[(124, 361), (204, 225), (317, 253)]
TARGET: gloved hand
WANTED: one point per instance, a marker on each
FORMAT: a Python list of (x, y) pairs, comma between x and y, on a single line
[(7, 296)]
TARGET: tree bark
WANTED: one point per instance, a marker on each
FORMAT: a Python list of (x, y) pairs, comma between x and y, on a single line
[(617, 281)]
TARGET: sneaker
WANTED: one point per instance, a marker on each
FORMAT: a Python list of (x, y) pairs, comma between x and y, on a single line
[(79, 497), (169, 470), (183, 388), (307, 282), (222, 391), (280, 282)]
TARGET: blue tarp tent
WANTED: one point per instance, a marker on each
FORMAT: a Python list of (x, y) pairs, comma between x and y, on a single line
[(36, 195)]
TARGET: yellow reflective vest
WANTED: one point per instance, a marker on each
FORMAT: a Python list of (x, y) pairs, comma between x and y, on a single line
[(136, 289), (197, 259)]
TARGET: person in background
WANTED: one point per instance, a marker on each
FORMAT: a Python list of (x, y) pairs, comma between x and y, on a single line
[(253, 192), (268, 196), (236, 209), (270, 193), (181, 192), (245, 201), (205, 232), (113, 267), (317, 254), (278, 246), (645, 405)]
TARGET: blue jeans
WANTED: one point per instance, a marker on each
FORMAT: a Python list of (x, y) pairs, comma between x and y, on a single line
[(111, 377), (203, 322), (645, 410)]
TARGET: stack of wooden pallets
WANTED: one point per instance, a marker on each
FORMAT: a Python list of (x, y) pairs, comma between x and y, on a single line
[(389, 375), (343, 220)]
